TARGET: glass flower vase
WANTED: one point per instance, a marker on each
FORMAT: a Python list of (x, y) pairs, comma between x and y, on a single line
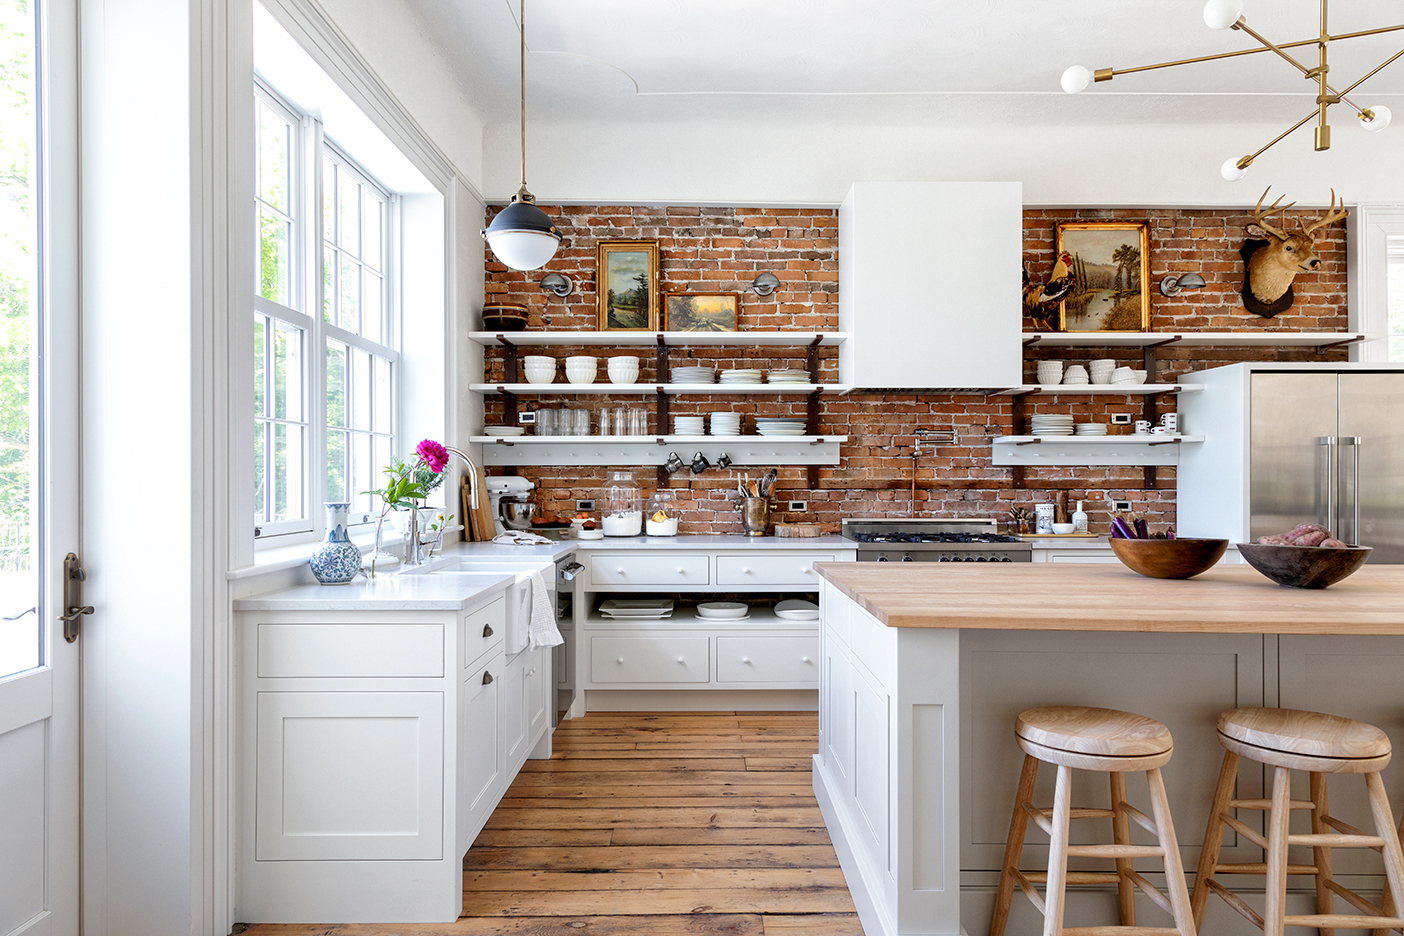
[(337, 561), (380, 559)]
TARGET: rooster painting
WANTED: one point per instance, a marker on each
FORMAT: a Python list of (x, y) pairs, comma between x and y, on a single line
[(1041, 301)]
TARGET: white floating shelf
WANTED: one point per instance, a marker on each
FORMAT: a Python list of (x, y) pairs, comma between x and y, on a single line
[(744, 450), (1032, 451), (1100, 389), (537, 339), (1189, 339), (599, 389)]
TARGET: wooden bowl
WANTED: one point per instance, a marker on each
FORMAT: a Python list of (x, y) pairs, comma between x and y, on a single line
[(1169, 558), (504, 316), (1304, 566)]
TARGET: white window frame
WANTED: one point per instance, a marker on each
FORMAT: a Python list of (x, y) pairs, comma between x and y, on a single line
[(306, 290), (1370, 228)]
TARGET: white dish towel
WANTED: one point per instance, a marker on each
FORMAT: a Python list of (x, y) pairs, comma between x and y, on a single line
[(520, 538), (542, 631)]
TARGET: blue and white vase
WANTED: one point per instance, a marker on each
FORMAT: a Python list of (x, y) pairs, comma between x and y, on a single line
[(337, 561)]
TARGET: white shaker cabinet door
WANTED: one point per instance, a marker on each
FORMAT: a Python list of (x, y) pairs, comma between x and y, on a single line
[(480, 771)]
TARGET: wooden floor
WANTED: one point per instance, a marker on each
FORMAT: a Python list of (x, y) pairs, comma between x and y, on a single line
[(694, 824)]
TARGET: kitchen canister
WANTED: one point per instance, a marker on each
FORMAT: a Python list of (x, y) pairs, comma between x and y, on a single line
[(338, 560), (1043, 519)]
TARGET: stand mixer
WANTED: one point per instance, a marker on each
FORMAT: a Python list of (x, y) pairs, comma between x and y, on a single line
[(509, 499)]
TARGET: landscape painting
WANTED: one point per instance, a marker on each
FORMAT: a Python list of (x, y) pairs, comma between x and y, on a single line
[(1109, 262), (626, 285), (696, 312)]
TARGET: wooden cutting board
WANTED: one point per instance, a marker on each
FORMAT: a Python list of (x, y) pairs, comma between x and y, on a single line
[(479, 521), (797, 529)]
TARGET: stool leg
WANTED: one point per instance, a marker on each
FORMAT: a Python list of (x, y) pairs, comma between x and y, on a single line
[(1054, 897), (1387, 898), (1276, 883), (1121, 835), (1174, 869), (1213, 837), (1325, 900), (1014, 845), (1384, 825)]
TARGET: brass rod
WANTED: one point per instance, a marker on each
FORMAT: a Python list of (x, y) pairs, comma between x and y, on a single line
[(521, 30), (1372, 72), (1277, 139), (1268, 46), (1284, 45)]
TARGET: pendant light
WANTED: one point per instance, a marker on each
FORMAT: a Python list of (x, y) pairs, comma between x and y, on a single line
[(522, 235)]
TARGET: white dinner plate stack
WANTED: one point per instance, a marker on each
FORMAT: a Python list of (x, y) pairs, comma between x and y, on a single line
[(740, 375), (778, 426), (724, 611), (692, 375), (1051, 425), (790, 376), (689, 425), (796, 609), (637, 609), (504, 432), (1090, 429), (726, 424)]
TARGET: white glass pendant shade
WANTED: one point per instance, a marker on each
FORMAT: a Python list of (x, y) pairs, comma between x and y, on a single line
[(1076, 78), (1222, 14), (1379, 120), (1231, 171), (522, 236)]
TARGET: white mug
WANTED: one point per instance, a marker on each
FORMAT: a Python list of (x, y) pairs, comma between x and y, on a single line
[(1170, 421), (1142, 426), (1159, 430)]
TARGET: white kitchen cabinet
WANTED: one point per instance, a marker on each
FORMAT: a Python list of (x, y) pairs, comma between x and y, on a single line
[(767, 659), (650, 658), (933, 301), (513, 712), (792, 570), (480, 764), (650, 570), (537, 690)]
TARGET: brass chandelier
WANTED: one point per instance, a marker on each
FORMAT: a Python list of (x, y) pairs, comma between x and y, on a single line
[(1228, 14)]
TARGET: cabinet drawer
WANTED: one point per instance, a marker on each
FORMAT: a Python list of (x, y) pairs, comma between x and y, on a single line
[(483, 629), (649, 660), (632, 569), (768, 659), (795, 569), (350, 650)]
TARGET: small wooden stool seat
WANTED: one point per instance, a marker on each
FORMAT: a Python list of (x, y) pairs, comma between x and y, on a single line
[(1321, 744), (1082, 738)]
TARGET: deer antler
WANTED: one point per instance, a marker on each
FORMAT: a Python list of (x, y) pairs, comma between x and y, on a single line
[(1332, 215), (1260, 217)]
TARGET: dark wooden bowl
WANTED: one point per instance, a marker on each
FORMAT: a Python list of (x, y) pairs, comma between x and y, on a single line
[(1304, 566), (504, 316), (1169, 558)]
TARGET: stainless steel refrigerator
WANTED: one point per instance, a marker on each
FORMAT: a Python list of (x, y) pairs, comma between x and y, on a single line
[(1328, 448)]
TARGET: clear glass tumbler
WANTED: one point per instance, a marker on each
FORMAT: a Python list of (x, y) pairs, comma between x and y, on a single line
[(545, 422), (638, 421), (621, 420), (582, 422)]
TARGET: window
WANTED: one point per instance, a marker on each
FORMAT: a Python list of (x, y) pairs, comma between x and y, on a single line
[(326, 387), (1396, 299)]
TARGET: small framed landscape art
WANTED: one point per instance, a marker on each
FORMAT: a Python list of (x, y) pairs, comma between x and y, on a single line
[(1110, 265), (698, 312), (626, 285)]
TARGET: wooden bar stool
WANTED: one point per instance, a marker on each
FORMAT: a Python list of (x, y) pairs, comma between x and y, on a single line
[(1289, 740), (1073, 737)]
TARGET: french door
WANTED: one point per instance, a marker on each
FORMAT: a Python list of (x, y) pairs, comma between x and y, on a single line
[(39, 468)]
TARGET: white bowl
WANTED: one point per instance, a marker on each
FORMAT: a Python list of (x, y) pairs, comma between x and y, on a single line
[(538, 374), (542, 359), (621, 376), (589, 359), (580, 377), (1063, 529), (1140, 376)]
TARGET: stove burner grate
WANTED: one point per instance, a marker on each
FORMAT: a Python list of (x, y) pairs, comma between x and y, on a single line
[(899, 537)]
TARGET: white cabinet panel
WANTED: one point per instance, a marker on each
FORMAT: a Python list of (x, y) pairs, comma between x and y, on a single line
[(320, 797), (1084, 555), (794, 569), (350, 650), (23, 793), (514, 729), (649, 660), (483, 630), (537, 691), (871, 780), (768, 659), (480, 766), (839, 704), (633, 569)]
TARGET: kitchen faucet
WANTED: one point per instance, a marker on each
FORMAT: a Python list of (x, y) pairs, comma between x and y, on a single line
[(412, 557)]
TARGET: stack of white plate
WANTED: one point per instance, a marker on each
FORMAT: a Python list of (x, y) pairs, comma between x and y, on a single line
[(724, 611), (795, 609), (1090, 429), (726, 424), (1051, 425), (692, 375), (504, 431), (791, 376), (777, 426), (740, 375), (637, 609), (689, 426)]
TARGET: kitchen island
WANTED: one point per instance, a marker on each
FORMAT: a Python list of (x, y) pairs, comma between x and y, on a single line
[(924, 667)]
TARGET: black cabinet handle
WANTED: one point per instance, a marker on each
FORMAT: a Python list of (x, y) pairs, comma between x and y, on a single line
[(487, 677), (487, 630)]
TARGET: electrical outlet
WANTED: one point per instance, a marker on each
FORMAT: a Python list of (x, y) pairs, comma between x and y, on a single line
[(1121, 419), (1124, 506), (584, 505), (799, 507), (527, 418)]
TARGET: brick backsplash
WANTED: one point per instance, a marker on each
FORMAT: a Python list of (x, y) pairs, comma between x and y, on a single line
[(723, 249)]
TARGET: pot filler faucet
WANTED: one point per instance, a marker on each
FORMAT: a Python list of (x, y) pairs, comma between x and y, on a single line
[(922, 437)]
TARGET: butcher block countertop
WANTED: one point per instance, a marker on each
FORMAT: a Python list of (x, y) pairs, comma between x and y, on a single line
[(1228, 599)]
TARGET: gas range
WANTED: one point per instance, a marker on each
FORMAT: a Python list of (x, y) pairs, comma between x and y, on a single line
[(934, 540)]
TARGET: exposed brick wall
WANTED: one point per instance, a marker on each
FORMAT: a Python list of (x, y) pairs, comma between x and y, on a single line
[(723, 249)]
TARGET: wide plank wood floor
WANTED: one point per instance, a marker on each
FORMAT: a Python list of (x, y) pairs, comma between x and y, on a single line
[(652, 824)]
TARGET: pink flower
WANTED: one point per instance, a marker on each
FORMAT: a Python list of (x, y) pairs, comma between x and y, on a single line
[(433, 454)]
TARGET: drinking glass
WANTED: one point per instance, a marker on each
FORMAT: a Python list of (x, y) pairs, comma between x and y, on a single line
[(621, 420), (582, 422), (638, 421), (545, 422)]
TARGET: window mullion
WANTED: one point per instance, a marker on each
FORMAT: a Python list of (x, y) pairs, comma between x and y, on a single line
[(310, 161)]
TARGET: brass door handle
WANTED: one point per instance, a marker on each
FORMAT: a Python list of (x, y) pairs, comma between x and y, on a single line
[(74, 613)]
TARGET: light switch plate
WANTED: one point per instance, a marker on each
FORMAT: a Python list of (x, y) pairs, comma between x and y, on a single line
[(1121, 419), (799, 507), (584, 505), (1124, 506), (527, 418)]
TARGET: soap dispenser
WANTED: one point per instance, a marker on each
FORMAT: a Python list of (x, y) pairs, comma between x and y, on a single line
[(1079, 519)]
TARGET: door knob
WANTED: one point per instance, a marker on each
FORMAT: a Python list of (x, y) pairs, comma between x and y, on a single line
[(620, 660)]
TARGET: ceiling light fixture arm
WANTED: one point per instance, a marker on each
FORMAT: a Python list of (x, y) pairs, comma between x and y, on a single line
[(521, 59)]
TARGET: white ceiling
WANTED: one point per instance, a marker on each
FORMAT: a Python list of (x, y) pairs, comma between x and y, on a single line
[(893, 62)]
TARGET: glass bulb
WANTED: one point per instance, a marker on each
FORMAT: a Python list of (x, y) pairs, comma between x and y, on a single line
[(1379, 121), (1230, 170), (1076, 78), (1222, 14), (523, 250)]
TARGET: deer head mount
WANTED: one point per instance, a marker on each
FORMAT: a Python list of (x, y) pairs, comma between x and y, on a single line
[(1273, 264)]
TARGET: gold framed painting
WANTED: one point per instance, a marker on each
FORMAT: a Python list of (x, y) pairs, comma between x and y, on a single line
[(701, 312), (626, 286), (1110, 265)]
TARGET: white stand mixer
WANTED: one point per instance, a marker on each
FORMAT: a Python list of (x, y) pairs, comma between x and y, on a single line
[(508, 499)]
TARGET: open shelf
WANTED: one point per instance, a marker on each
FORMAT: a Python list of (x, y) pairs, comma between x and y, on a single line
[(685, 617), (653, 450), (537, 339), (1033, 451), (1100, 389), (1191, 339), (604, 389)]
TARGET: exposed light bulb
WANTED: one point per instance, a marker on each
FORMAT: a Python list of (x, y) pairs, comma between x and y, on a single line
[(1222, 14), (1231, 171), (1379, 118), (1076, 78)]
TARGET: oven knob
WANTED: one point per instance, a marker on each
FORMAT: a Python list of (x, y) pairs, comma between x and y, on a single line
[(1005, 559), (906, 557), (882, 558), (982, 558), (944, 558)]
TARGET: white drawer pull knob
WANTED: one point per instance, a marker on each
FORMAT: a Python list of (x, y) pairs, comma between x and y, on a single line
[(620, 660), (620, 571), (746, 660), (681, 660), (681, 570), (746, 571), (804, 659), (807, 571)]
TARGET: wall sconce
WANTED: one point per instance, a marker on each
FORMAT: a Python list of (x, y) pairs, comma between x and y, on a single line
[(557, 283), (765, 284), (1175, 284)]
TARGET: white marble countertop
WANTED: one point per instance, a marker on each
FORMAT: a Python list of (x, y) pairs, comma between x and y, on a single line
[(716, 542), (386, 593)]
